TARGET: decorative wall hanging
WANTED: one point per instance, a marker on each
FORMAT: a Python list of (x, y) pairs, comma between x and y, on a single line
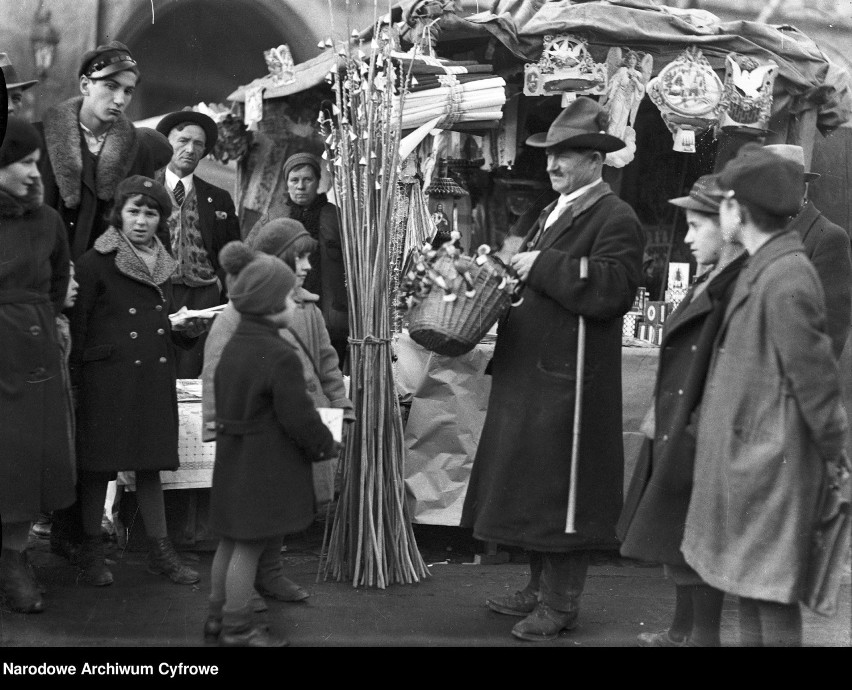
[(746, 104), (565, 67), (628, 75), (688, 93)]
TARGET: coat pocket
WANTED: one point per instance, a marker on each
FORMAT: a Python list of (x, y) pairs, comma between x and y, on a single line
[(96, 353)]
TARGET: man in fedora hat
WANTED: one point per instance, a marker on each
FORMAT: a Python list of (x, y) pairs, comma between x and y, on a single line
[(92, 146), (828, 247), (203, 220), (15, 87), (519, 485)]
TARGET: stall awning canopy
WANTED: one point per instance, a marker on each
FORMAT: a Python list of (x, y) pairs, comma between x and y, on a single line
[(806, 77), (308, 74)]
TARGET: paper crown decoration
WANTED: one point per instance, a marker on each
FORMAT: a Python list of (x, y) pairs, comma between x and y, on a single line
[(566, 67), (279, 61), (746, 104), (688, 94)]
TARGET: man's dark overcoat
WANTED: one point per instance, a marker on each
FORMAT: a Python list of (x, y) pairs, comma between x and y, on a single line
[(651, 524), (827, 246), (518, 489)]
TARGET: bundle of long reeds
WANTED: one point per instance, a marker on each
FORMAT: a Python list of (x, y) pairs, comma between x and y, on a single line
[(372, 542)]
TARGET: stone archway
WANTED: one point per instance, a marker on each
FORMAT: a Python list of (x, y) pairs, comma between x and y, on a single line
[(201, 50)]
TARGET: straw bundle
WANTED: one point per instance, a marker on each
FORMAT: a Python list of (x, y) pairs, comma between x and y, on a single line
[(371, 542)]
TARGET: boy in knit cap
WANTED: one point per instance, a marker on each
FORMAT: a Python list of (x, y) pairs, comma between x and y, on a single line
[(267, 433)]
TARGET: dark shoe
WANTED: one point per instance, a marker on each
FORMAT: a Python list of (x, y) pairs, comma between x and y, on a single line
[(17, 588), (255, 635), (521, 603), (163, 560), (92, 563), (282, 589), (271, 581), (242, 629), (41, 527), (659, 639), (545, 623), (213, 624), (40, 587)]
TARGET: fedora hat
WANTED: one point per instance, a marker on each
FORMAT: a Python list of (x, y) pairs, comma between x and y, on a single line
[(192, 117), (582, 125), (12, 79), (705, 196), (793, 153)]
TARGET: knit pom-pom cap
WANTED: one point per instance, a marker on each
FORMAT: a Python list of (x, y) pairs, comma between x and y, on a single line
[(235, 256)]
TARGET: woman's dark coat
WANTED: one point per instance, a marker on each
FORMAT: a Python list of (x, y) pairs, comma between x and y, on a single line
[(518, 489), (267, 433), (122, 360), (36, 471), (651, 524)]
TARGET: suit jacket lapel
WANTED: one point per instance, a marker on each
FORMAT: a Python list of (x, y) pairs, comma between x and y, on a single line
[(206, 213)]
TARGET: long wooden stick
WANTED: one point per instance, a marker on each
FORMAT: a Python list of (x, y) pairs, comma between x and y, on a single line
[(578, 408)]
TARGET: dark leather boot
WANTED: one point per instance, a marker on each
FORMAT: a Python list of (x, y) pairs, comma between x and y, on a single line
[(213, 624), (16, 586), (240, 628), (163, 560), (91, 560), (271, 581)]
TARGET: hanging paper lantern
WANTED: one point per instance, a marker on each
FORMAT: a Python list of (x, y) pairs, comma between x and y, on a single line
[(565, 67), (688, 93), (746, 104)]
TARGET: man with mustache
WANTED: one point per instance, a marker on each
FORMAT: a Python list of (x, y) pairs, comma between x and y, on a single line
[(203, 220)]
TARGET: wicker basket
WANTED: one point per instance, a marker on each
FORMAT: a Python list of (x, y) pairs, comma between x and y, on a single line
[(453, 328)]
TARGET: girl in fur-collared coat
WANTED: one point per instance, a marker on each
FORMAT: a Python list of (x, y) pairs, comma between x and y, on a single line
[(122, 365), (268, 432)]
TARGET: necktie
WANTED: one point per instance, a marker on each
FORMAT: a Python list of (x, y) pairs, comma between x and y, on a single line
[(179, 192)]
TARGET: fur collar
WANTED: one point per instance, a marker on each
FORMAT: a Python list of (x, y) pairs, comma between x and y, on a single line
[(62, 137), (14, 207), (129, 264)]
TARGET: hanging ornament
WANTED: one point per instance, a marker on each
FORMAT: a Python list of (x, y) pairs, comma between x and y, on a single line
[(688, 93), (746, 104), (629, 72), (565, 67)]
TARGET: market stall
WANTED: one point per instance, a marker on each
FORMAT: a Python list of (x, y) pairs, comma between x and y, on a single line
[(682, 88)]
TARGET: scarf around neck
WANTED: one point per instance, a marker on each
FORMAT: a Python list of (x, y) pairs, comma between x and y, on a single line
[(309, 216)]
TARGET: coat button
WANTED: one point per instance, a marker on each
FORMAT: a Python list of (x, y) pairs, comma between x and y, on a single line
[(132, 310), (665, 437), (680, 392), (694, 348), (134, 334), (221, 427), (159, 307), (138, 362), (160, 331), (163, 360), (35, 330)]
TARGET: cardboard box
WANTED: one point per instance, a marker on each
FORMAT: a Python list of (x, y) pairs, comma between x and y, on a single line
[(657, 312), (651, 333)]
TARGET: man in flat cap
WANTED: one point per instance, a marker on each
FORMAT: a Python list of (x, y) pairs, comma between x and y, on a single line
[(91, 146), (518, 489), (772, 426), (15, 86), (203, 221), (828, 247)]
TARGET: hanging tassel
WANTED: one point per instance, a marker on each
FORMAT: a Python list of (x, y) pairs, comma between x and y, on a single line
[(684, 141)]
